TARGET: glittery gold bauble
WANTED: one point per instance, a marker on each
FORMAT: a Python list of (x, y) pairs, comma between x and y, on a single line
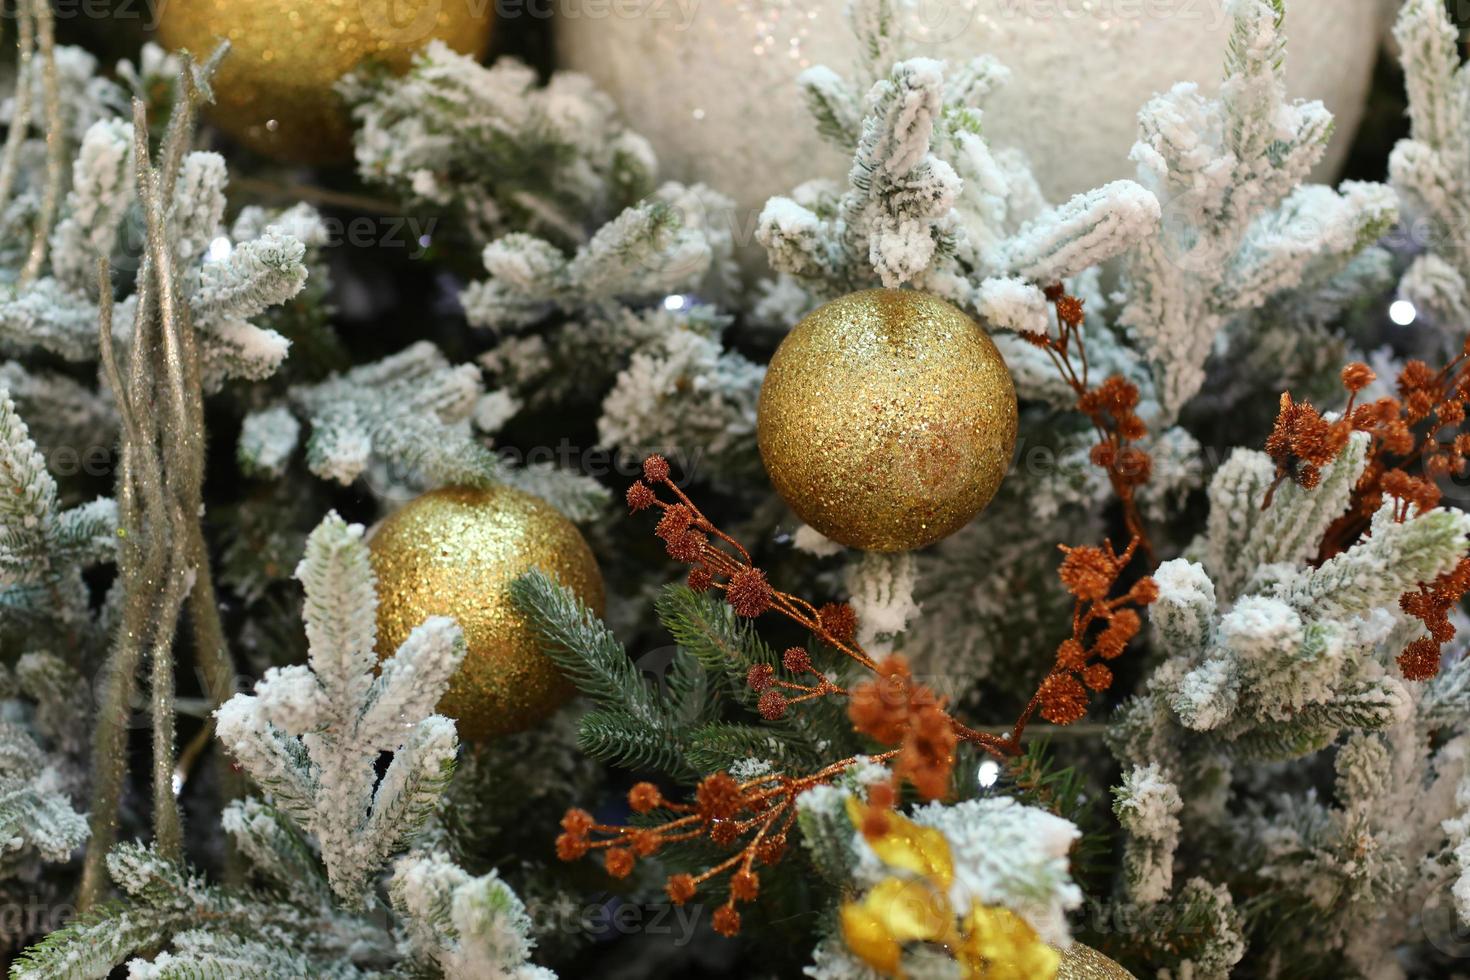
[(274, 89), (455, 552), (1081, 962), (887, 419)]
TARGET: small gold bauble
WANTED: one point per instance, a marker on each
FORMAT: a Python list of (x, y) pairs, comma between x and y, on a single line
[(1081, 962), (455, 552), (887, 419), (274, 89)]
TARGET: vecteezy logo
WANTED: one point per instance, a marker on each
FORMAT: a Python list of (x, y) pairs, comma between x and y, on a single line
[(401, 22), (935, 21), (1443, 928)]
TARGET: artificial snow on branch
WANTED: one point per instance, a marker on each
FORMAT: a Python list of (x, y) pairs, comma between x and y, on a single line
[(504, 150), (311, 734), (1431, 169), (1238, 226), (43, 548), (404, 420)]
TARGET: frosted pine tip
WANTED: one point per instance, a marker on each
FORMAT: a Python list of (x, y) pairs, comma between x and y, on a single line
[(760, 677), (655, 469), (680, 888), (644, 797), (1357, 376), (748, 592), (640, 497), (796, 660), (618, 862), (772, 705)]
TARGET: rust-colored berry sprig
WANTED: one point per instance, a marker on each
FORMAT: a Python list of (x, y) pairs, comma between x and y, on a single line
[(1111, 407), (1102, 628), (891, 706), (757, 814), (1419, 429)]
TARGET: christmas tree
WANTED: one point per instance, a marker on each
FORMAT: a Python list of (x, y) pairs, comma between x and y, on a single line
[(446, 531)]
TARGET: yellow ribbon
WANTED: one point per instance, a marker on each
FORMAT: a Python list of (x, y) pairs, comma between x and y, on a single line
[(990, 943)]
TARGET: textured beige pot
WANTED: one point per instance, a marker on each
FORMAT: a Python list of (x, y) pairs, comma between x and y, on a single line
[(711, 82)]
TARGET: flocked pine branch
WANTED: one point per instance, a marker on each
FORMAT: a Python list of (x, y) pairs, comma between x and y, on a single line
[(655, 247), (1240, 226), (1270, 656), (404, 420), (226, 287), (235, 933), (927, 202), (44, 548), (311, 734), (1429, 169), (508, 153), (462, 926), (42, 765), (598, 281), (170, 922)]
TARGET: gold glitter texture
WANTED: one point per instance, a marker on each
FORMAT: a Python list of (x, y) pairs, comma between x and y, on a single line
[(887, 419), (274, 90), (454, 552), (1081, 962)]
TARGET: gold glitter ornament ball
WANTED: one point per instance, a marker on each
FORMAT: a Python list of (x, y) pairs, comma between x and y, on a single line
[(455, 552), (1081, 962), (887, 419), (274, 89)]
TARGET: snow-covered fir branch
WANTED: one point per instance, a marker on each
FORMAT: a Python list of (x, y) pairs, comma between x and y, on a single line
[(1431, 169), (1272, 659), (508, 152), (927, 201), (599, 280), (171, 922), (403, 422), (43, 548), (311, 734), (1240, 226), (228, 282)]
